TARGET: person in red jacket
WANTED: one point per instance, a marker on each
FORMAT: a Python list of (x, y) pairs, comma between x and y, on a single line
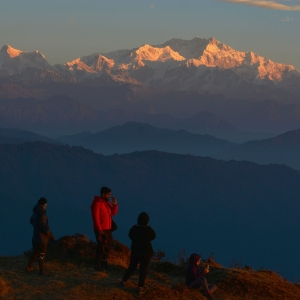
[(102, 212)]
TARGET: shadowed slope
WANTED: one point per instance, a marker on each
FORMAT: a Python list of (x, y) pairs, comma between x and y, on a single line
[(134, 136), (282, 149), (237, 208), (72, 278)]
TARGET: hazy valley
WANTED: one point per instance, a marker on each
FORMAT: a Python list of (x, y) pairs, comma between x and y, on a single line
[(235, 205)]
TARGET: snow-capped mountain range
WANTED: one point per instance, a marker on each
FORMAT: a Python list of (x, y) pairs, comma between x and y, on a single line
[(200, 64), (15, 61)]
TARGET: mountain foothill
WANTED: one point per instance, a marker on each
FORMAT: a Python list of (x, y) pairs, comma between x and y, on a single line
[(203, 137), (231, 208)]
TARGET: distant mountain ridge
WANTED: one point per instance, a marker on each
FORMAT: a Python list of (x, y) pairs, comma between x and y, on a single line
[(200, 64), (230, 208), (134, 136), (56, 114), (20, 136), (62, 115), (282, 149)]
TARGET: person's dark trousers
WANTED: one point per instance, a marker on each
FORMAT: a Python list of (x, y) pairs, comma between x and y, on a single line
[(39, 251), (134, 261), (103, 249), (202, 282)]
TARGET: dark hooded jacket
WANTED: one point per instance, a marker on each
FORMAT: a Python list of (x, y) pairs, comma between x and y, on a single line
[(193, 272), (39, 221), (141, 236)]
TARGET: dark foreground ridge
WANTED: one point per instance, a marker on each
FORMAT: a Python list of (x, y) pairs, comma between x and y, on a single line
[(70, 260)]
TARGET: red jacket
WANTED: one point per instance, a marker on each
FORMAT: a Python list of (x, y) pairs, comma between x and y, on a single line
[(102, 211)]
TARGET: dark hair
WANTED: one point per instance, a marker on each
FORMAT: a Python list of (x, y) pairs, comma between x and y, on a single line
[(105, 190), (42, 201), (143, 218)]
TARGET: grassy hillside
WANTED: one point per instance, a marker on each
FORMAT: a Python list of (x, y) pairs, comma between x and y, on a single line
[(70, 260)]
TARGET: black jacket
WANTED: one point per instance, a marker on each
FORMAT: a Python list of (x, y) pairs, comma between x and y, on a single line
[(39, 221), (193, 272), (141, 236)]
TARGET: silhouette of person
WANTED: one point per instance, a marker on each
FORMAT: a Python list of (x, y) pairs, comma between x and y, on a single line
[(41, 235), (141, 236)]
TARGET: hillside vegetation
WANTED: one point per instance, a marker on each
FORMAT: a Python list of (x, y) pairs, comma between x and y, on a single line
[(70, 260), (234, 206)]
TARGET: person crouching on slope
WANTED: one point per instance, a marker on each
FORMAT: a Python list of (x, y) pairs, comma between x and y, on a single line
[(141, 236), (195, 276), (41, 235), (102, 212)]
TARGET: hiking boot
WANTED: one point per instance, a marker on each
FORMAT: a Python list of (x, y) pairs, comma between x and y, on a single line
[(140, 290), (43, 273), (98, 268), (210, 296), (105, 266), (121, 284), (29, 269)]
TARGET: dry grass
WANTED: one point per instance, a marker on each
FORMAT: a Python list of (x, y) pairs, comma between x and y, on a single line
[(4, 287), (70, 261)]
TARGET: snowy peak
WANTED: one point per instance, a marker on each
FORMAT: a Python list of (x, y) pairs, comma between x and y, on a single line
[(212, 53), (93, 63), (214, 46), (98, 62), (202, 51), (15, 61), (147, 52), (123, 59), (190, 49), (199, 64), (12, 52)]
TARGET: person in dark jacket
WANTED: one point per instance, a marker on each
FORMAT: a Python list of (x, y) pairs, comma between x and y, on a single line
[(195, 276), (141, 236), (41, 235)]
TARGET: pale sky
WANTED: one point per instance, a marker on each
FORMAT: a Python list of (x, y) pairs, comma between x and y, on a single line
[(64, 30)]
